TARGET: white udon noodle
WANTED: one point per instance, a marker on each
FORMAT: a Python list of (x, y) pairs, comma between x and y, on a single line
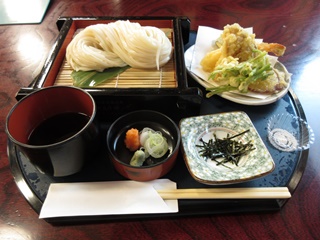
[(118, 44)]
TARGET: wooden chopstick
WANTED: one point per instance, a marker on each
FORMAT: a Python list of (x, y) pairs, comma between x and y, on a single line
[(226, 193)]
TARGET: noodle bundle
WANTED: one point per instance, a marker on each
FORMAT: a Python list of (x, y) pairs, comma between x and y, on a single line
[(118, 44)]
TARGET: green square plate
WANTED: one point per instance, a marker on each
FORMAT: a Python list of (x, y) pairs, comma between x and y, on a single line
[(256, 164)]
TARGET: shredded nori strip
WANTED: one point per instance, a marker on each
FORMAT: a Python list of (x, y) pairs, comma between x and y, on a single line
[(225, 150)]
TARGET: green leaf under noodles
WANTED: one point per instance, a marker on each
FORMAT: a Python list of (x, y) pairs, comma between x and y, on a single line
[(89, 79)]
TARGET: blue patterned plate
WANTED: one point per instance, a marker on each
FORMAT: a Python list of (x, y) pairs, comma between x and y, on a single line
[(256, 164)]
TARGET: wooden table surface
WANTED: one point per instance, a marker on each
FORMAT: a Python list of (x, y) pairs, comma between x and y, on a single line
[(294, 23)]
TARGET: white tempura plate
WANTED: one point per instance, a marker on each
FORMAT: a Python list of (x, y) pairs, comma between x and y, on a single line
[(255, 164), (241, 98)]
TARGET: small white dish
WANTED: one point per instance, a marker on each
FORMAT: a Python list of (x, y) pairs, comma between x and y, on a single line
[(256, 164), (241, 98)]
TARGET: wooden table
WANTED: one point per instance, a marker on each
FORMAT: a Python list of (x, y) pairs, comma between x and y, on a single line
[(295, 24)]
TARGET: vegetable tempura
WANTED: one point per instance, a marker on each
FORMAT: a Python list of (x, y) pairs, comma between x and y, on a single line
[(240, 63)]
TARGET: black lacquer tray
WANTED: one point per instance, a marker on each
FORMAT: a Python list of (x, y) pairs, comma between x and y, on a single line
[(288, 172)]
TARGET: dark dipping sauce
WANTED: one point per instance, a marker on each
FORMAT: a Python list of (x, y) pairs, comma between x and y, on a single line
[(58, 128)]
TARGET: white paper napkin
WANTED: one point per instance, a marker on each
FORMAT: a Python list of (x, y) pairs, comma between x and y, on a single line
[(107, 198), (205, 42)]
